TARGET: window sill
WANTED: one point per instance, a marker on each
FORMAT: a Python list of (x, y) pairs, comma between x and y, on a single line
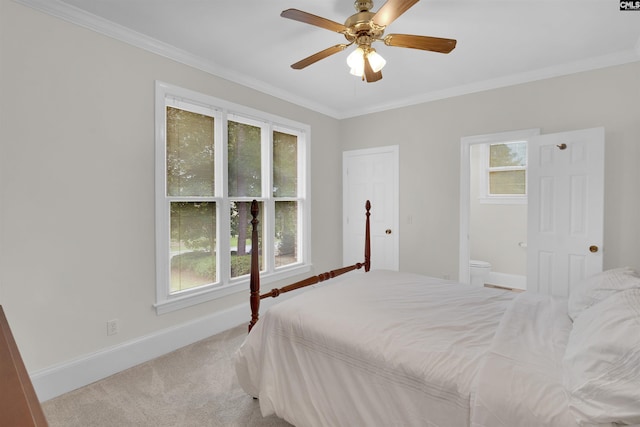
[(503, 200), (178, 302)]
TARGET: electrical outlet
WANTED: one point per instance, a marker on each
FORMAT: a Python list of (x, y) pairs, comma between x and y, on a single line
[(112, 327)]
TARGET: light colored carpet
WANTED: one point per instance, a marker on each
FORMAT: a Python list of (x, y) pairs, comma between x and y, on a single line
[(193, 386)]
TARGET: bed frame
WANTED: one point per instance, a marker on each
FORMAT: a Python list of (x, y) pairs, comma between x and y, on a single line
[(254, 281)]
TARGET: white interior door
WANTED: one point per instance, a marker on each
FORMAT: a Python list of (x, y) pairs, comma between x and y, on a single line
[(565, 214), (372, 175)]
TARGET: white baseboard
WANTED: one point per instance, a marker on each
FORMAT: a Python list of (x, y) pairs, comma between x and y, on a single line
[(514, 281), (65, 377), (59, 379)]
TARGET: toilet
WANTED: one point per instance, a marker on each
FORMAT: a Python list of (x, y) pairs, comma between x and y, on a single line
[(479, 272)]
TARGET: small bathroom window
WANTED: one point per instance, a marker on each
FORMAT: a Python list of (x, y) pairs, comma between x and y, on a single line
[(503, 175)]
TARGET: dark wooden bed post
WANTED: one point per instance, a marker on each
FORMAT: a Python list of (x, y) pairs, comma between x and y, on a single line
[(367, 238), (254, 279)]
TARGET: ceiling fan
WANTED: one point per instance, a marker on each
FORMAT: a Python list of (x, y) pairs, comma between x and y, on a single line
[(363, 28)]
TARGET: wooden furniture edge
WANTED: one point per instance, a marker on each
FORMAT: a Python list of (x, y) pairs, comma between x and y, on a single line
[(254, 278), (19, 404)]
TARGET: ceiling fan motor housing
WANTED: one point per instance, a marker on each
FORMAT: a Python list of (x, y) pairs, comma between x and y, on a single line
[(363, 5), (360, 26)]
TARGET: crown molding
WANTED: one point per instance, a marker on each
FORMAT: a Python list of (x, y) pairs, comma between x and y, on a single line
[(618, 58), (111, 29), (108, 28)]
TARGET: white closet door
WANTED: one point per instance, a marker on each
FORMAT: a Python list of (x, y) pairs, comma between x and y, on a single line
[(371, 174)]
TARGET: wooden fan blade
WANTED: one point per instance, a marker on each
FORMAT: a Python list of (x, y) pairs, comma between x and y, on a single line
[(307, 18), (391, 10), (318, 56), (434, 44), (369, 74)]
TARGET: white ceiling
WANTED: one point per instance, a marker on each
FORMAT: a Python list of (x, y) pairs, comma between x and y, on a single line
[(500, 42)]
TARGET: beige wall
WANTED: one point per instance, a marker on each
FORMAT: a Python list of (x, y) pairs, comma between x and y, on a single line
[(77, 185), (429, 138), (76, 175)]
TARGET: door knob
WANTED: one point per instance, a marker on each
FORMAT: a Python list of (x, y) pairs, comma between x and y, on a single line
[(562, 146), (388, 231), (593, 249)]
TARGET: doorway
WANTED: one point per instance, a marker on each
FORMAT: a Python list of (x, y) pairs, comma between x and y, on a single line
[(565, 204), (493, 227)]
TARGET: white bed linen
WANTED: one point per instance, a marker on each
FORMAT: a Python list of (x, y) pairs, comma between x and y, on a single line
[(376, 349), (520, 383)]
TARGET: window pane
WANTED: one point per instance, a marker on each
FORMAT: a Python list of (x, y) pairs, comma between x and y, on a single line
[(285, 165), (507, 182), (286, 233), (510, 154), (241, 237), (193, 244), (244, 160), (190, 162)]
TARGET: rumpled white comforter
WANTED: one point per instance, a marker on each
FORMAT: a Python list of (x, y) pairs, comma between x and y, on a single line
[(520, 380), (397, 349)]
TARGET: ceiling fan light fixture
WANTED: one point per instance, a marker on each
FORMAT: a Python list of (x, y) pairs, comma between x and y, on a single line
[(357, 71), (355, 61), (376, 60)]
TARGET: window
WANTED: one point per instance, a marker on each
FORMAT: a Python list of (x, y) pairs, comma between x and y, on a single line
[(505, 172), (212, 159), (507, 168)]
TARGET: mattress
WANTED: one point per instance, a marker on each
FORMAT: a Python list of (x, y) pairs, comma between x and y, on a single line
[(397, 349)]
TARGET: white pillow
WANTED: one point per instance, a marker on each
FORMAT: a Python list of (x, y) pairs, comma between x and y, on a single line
[(596, 288), (601, 365)]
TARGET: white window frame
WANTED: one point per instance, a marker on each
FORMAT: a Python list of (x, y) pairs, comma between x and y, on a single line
[(221, 110)]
